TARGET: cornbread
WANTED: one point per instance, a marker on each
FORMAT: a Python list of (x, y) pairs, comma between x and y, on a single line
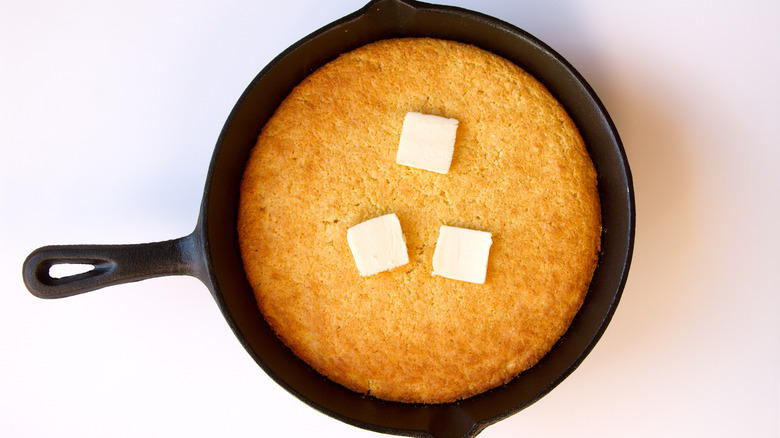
[(326, 160)]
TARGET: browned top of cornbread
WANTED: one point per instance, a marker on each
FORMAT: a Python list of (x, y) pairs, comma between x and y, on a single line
[(326, 161)]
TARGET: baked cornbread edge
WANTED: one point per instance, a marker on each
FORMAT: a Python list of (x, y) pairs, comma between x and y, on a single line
[(269, 198)]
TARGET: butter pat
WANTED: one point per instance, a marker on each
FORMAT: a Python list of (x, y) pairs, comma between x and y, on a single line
[(378, 244), (427, 142), (462, 254)]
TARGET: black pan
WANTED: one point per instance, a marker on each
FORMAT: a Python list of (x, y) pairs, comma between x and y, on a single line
[(211, 252)]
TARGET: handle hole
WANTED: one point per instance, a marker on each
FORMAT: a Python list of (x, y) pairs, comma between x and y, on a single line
[(63, 270)]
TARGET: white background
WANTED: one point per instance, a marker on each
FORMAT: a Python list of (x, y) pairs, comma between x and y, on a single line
[(109, 112)]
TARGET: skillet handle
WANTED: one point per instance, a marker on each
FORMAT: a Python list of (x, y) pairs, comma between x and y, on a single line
[(110, 265)]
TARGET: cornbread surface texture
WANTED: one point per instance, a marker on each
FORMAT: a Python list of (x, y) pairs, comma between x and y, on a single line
[(325, 161)]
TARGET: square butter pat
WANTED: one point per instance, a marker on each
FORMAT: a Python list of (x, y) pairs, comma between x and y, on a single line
[(378, 244), (427, 142), (462, 254)]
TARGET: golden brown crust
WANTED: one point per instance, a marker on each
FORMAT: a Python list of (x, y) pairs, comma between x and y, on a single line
[(326, 161)]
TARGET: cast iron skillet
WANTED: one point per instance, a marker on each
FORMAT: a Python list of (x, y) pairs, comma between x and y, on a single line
[(211, 252)]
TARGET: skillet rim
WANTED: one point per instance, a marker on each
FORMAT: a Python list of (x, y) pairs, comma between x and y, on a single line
[(400, 12)]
